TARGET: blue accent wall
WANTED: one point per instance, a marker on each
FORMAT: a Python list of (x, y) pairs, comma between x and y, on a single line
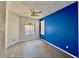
[(61, 28)]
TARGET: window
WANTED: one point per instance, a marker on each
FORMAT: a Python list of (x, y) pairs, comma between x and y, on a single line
[(42, 27), (29, 29)]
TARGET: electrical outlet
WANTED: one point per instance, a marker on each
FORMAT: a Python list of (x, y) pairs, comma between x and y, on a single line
[(13, 39), (67, 46)]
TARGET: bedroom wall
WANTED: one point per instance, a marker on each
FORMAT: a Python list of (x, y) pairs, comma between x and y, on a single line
[(2, 22), (61, 29), (12, 29), (2, 27)]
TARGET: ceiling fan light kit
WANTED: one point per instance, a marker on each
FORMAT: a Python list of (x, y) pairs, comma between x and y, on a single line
[(35, 12)]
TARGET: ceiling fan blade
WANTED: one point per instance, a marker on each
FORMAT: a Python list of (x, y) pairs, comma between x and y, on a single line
[(34, 12)]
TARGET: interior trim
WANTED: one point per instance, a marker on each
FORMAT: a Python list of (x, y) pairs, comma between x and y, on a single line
[(58, 48)]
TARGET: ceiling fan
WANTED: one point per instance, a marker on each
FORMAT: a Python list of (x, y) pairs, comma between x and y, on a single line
[(35, 12)]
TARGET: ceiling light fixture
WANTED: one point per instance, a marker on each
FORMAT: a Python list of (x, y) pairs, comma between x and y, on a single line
[(35, 12)]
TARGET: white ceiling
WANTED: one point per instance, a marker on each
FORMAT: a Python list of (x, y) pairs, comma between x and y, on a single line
[(47, 7)]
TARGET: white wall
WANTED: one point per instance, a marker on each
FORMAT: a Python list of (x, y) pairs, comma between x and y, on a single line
[(12, 29), (15, 31), (22, 30), (15, 27), (2, 23), (2, 27)]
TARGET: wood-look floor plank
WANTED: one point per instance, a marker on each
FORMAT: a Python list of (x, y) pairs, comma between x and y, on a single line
[(34, 49)]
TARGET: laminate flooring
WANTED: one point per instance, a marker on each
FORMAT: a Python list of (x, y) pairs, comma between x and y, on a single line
[(34, 49)]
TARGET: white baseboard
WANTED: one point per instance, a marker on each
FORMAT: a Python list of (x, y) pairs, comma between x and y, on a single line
[(10, 44), (58, 48)]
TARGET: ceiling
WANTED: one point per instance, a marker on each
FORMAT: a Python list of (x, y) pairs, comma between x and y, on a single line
[(21, 8)]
